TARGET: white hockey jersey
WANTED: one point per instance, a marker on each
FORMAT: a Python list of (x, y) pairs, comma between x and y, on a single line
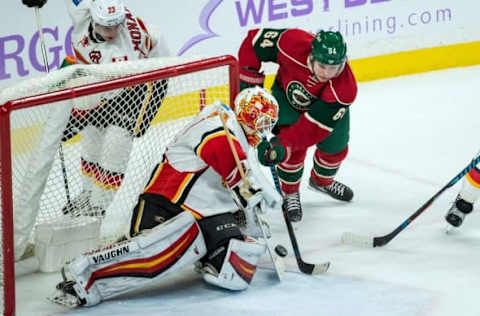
[(134, 39), (198, 166)]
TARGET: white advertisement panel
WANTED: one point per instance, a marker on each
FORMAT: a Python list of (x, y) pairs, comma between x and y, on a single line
[(215, 27)]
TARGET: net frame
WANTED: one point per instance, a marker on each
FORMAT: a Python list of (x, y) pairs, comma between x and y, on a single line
[(7, 275)]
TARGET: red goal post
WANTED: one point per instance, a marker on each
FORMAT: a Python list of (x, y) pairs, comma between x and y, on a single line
[(35, 100)]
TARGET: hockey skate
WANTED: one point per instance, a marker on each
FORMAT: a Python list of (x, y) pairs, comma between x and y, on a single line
[(65, 294), (457, 212), (293, 206), (336, 190), (81, 206)]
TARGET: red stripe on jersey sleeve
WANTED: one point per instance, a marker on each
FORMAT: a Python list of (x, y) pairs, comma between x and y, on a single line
[(217, 154), (248, 60)]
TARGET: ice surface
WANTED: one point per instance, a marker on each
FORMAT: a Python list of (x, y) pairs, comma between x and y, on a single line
[(410, 135)]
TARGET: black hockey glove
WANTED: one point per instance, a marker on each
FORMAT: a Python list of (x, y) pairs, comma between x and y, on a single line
[(270, 152), (34, 3)]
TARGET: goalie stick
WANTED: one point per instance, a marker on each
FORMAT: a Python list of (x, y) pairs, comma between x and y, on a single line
[(278, 263), (307, 268), (365, 241)]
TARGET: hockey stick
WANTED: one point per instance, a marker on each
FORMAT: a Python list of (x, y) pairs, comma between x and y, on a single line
[(364, 241), (307, 268), (276, 260), (47, 70)]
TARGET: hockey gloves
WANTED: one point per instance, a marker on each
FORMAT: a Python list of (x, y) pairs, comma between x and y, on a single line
[(250, 77), (246, 196), (270, 152), (34, 3)]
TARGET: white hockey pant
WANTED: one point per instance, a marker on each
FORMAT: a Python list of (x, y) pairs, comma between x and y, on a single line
[(110, 149)]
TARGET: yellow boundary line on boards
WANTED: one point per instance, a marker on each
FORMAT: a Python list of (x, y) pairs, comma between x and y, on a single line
[(365, 69)]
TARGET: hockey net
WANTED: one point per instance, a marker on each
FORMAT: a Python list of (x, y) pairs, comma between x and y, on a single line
[(82, 141)]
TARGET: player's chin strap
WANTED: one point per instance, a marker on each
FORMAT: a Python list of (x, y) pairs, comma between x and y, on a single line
[(244, 187)]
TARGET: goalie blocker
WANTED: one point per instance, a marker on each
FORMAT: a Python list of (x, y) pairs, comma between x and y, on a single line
[(215, 244)]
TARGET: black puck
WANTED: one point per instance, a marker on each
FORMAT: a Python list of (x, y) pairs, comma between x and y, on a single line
[(281, 251)]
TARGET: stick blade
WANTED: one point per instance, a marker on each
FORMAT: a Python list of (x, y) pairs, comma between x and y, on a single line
[(311, 269), (357, 240), (279, 267), (321, 268)]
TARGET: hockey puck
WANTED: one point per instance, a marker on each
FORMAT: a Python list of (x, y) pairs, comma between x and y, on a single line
[(281, 251)]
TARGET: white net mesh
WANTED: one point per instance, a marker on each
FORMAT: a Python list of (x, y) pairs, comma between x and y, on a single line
[(92, 155)]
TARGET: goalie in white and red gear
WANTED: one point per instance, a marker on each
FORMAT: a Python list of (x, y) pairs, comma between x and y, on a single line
[(106, 31), (196, 187)]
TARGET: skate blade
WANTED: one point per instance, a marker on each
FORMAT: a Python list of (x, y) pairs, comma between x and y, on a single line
[(450, 229), (63, 299)]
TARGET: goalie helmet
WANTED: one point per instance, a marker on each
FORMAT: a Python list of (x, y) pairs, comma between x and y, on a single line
[(107, 12), (257, 112)]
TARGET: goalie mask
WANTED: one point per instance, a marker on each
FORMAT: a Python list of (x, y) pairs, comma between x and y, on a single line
[(257, 112)]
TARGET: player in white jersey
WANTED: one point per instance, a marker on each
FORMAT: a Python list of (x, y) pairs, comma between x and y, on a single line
[(186, 213), (105, 31)]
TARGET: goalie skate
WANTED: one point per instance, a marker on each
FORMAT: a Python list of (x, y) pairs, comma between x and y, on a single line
[(65, 294)]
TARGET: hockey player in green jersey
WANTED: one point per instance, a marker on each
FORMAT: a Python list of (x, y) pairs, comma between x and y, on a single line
[(314, 87)]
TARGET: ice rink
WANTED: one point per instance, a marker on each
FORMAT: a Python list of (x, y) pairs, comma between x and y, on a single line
[(410, 136)]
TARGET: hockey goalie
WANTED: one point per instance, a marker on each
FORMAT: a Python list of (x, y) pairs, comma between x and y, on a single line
[(195, 209)]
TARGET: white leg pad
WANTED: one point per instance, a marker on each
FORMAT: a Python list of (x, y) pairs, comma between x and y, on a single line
[(132, 264), (239, 266)]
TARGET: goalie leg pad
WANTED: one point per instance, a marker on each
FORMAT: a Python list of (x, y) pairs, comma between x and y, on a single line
[(230, 262), (217, 231), (239, 266), (132, 264)]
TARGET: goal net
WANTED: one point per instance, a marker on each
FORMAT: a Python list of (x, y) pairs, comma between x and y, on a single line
[(81, 142)]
